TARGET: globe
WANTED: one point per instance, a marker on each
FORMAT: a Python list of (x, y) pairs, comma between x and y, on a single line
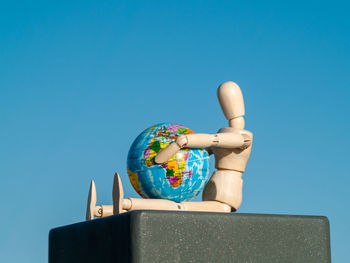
[(179, 179)]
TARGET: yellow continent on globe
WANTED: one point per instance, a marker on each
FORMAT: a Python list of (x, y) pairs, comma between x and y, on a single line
[(134, 180)]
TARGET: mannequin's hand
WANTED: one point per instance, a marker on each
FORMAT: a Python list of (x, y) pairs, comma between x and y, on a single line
[(171, 149), (168, 152)]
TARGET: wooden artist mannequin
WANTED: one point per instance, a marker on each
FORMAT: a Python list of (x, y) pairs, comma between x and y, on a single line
[(231, 147)]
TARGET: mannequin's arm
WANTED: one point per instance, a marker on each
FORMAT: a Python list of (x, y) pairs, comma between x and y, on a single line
[(202, 140)]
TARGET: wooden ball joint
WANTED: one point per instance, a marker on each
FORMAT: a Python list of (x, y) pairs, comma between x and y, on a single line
[(231, 147)]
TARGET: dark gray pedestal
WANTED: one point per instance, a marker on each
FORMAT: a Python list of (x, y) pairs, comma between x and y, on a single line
[(161, 236)]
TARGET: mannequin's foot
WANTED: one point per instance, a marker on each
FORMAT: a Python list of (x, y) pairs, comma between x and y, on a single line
[(118, 195), (91, 202)]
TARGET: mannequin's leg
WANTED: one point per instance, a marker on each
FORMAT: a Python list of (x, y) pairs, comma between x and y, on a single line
[(206, 206), (121, 205), (130, 204)]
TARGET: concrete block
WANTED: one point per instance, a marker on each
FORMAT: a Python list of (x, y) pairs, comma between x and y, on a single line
[(164, 236)]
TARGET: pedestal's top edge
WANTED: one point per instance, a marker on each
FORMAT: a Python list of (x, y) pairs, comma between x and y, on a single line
[(155, 212), (149, 213)]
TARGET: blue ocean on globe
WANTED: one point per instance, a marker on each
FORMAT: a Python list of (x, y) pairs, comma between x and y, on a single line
[(179, 179)]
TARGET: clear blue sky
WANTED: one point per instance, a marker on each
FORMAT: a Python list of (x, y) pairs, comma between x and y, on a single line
[(79, 80)]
